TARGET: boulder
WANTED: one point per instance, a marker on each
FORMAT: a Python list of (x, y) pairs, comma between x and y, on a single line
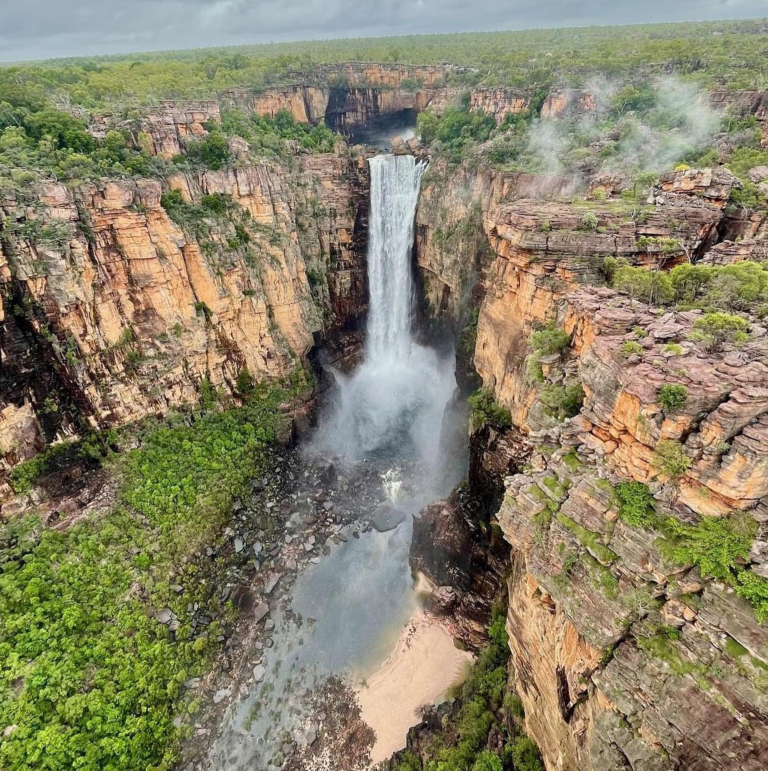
[(386, 518)]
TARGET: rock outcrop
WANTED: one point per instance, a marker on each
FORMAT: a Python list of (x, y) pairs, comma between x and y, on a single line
[(166, 129), (623, 658), (112, 310)]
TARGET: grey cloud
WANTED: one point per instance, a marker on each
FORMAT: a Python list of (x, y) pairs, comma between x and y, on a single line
[(36, 29)]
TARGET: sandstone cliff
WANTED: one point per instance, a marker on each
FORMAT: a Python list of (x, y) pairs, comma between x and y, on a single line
[(623, 658), (112, 310)]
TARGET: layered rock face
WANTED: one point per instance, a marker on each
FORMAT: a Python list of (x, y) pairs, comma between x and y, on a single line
[(623, 658), (165, 130), (452, 245), (603, 687), (306, 104), (112, 310), (545, 249)]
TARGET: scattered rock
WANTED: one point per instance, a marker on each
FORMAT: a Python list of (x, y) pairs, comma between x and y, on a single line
[(386, 518), (259, 671), (164, 616), (261, 610), (272, 582), (758, 174)]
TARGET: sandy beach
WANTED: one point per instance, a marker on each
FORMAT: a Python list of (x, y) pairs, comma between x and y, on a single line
[(423, 665)]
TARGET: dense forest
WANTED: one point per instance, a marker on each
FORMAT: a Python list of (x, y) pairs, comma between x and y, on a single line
[(732, 54)]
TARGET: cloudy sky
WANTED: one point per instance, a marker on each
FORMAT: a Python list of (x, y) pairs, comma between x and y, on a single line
[(36, 29)]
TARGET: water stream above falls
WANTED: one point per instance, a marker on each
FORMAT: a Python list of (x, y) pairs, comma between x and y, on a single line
[(350, 631)]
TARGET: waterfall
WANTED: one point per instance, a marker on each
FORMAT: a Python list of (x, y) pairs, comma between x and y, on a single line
[(392, 406), (395, 182)]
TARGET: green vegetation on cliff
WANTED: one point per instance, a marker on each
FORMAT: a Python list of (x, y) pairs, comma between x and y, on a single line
[(718, 546), (716, 289), (90, 678), (486, 411)]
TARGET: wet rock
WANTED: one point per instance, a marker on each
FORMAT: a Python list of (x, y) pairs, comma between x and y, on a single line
[(328, 475), (443, 600), (272, 583), (386, 518), (261, 610)]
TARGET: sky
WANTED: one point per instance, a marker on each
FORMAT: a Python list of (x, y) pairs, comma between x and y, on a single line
[(39, 29)]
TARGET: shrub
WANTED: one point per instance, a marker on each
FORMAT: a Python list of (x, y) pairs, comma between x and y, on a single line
[(670, 460), (526, 755), (244, 382), (589, 222), (672, 398), (485, 410), (216, 203), (631, 348), (718, 329), (172, 200), (673, 349), (487, 761), (562, 402), (754, 589), (212, 151), (649, 286), (636, 504), (550, 340), (716, 545)]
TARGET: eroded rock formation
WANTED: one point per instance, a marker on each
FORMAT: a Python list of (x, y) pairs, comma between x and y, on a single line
[(112, 310), (623, 659)]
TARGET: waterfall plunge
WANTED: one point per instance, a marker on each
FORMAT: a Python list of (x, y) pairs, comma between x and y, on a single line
[(394, 402), (395, 182)]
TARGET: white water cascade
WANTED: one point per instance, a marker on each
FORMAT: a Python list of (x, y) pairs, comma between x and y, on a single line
[(394, 402), (349, 608), (395, 182)]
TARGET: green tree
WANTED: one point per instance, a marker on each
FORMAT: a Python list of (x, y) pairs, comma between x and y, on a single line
[(487, 761), (716, 330), (649, 286), (65, 130)]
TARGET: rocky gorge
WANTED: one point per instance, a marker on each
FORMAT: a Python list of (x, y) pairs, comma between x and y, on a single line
[(627, 649)]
